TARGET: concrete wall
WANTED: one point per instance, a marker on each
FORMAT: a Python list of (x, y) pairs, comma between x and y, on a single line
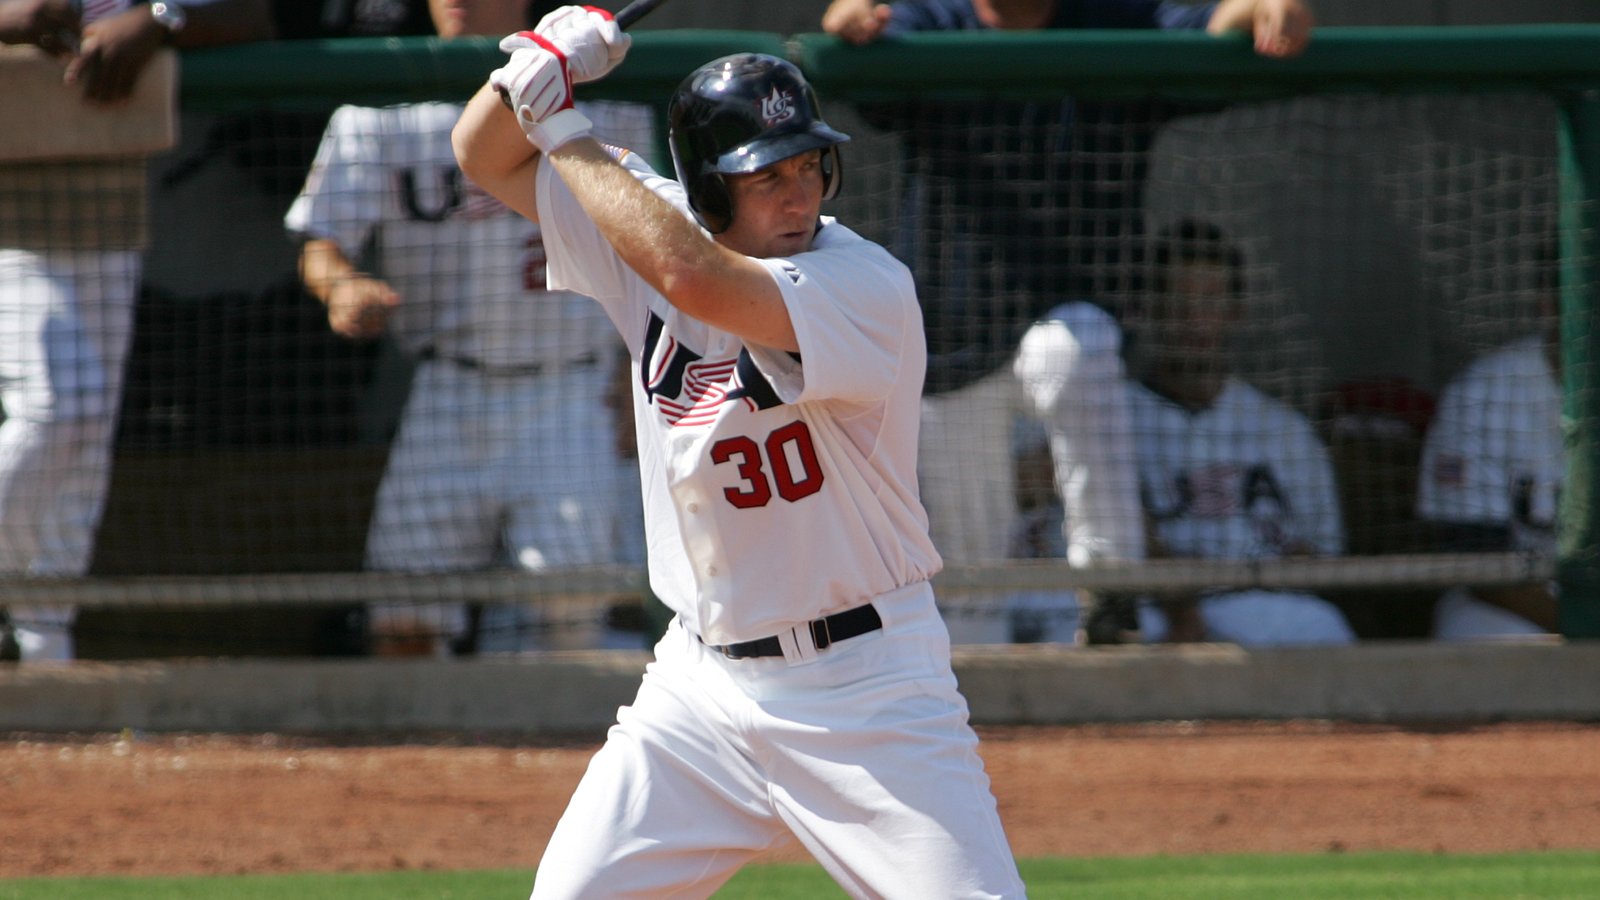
[(578, 693)]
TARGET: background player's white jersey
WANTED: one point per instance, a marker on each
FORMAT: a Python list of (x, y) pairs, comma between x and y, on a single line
[(1071, 370), (770, 463), (1493, 454), (1246, 478), (385, 183)]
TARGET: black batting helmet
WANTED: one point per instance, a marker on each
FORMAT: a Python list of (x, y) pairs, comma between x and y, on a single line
[(740, 113)]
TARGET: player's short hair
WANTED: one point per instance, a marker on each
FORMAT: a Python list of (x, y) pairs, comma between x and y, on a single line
[(738, 114), (1192, 241)]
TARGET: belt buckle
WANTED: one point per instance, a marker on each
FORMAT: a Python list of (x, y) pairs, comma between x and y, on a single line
[(821, 636)]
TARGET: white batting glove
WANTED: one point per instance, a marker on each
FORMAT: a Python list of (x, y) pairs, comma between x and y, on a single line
[(536, 85), (588, 35)]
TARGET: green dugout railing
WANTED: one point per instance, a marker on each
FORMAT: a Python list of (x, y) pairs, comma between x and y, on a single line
[(1562, 61)]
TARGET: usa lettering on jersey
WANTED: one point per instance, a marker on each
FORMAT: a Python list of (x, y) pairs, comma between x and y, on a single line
[(688, 389)]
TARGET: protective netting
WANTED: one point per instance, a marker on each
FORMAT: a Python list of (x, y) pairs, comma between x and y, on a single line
[(1238, 323)]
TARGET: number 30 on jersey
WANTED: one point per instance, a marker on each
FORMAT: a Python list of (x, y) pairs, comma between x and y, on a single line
[(786, 462)]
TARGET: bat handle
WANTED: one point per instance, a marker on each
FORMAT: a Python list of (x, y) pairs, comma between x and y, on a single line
[(634, 11), (625, 17)]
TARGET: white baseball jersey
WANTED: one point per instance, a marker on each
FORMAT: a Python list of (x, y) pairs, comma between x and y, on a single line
[(1070, 366), (1244, 479), (386, 188), (777, 487), (1494, 453), (70, 232)]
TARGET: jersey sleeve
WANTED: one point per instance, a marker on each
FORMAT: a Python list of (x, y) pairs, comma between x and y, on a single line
[(1076, 349), (1183, 16), (1071, 370), (343, 195), (579, 257), (908, 16), (1457, 481), (856, 317), (1134, 14), (1315, 494)]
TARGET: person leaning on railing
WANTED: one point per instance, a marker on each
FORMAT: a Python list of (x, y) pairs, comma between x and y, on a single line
[(73, 225)]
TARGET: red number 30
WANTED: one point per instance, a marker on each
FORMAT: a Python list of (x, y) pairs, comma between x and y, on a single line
[(791, 485)]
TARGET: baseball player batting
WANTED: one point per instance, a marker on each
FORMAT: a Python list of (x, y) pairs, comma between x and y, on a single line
[(803, 690)]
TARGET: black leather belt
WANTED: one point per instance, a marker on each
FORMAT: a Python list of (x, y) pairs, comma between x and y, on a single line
[(429, 354), (824, 632)]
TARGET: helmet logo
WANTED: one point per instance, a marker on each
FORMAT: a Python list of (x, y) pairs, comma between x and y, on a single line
[(777, 106)]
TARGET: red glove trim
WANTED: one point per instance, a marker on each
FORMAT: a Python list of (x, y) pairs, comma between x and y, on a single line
[(540, 40), (561, 59), (604, 13)]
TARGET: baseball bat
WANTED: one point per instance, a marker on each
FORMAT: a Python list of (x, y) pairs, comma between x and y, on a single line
[(635, 11)]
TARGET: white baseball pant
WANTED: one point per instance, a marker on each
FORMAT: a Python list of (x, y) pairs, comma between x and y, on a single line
[(66, 319), (864, 755), (1257, 618)]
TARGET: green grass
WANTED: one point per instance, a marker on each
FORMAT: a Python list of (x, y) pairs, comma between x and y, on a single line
[(1404, 876)]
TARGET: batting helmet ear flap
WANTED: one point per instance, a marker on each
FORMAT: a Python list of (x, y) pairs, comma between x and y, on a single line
[(711, 201), (832, 171)]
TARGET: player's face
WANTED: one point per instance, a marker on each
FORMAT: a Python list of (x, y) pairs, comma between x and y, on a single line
[(775, 209), (1188, 324)]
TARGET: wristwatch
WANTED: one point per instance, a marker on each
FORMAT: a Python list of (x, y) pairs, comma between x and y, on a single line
[(169, 16)]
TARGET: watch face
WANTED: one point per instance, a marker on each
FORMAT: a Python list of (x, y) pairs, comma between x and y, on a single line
[(169, 15)]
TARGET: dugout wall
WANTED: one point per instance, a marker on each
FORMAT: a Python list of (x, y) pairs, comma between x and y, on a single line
[(1390, 191)]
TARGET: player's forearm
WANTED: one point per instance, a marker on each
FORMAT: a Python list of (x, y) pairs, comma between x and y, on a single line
[(359, 305), (323, 266), (857, 21), (668, 250), (492, 151), (1281, 28), (1232, 15)]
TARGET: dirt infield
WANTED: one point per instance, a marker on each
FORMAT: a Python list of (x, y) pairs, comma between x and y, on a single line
[(131, 804)]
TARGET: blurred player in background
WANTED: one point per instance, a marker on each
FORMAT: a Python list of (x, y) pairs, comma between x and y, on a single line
[(1493, 463), (1012, 208), (803, 690), (1071, 370), (71, 234), (504, 454), (1223, 471)]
